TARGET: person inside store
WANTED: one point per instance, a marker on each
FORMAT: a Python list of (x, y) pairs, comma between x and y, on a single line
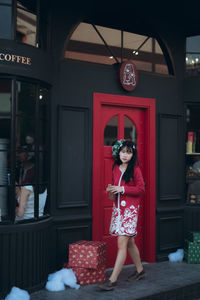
[(127, 188), (25, 169), (25, 196)]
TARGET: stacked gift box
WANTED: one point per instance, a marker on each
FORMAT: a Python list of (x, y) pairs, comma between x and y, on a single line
[(192, 247), (88, 261)]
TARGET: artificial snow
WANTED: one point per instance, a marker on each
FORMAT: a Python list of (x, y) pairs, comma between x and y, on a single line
[(58, 280), (176, 256), (17, 294)]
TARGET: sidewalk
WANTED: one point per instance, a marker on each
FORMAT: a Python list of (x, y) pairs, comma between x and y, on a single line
[(164, 281)]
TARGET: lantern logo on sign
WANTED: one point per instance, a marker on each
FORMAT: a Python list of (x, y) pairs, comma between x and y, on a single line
[(128, 75)]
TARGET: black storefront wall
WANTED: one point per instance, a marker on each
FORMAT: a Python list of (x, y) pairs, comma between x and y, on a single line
[(26, 250), (44, 245), (170, 200)]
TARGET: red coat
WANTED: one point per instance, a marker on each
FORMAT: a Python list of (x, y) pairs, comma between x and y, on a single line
[(126, 206)]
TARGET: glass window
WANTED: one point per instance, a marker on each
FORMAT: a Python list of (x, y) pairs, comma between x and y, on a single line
[(103, 45), (129, 130), (26, 23), (193, 154), (32, 26), (193, 55), (24, 160), (5, 129), (5, 21), (6, 2), (111, 131)]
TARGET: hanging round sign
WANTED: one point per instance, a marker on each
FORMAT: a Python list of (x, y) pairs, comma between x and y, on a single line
[(128, 75)]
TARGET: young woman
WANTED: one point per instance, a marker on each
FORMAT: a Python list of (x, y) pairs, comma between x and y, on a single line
[(25, 198), (126, 189)]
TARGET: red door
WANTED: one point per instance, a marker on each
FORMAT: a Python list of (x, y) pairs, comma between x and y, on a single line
[(115, 119), (119, 123)]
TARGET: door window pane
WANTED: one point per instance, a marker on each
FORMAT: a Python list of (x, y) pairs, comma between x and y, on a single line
[(129, 130), (111, 131)]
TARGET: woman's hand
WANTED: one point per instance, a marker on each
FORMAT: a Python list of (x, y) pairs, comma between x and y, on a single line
[(114, 189)]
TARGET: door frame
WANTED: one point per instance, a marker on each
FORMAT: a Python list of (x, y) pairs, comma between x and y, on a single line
[(100, 99)]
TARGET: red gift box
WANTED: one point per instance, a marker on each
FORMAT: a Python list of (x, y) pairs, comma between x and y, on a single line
[(87, 276), (87, 254)]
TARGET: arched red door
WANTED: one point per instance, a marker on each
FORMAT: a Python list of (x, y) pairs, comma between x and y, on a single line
[(115, 119)]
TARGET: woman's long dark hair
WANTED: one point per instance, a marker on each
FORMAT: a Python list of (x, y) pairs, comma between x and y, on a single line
[(128, 174)]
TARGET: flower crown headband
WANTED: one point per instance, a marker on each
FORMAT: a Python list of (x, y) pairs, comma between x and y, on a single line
[(115, 148)]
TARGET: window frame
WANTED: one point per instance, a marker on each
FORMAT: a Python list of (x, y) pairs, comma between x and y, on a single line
[(11, 187), (41, 19), (120, 57), (194, 72)]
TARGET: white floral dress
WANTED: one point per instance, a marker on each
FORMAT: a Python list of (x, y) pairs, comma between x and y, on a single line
[(126, 206)]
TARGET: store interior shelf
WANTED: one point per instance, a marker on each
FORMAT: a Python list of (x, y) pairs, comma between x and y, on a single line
[(194, 153)]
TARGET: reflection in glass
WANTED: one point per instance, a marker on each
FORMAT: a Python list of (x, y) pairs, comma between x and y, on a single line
[(129, 130), (192, 58), (193, 176), (26, 26), (111, 131), (5, 123), (193, 154), (43, 167), (4, 179), (25, 98), (43, 100), (5, 21), (42, 190), (5, 96), (86, 45), (5, 108), (43, 135), (25, 132), (25, 166)]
